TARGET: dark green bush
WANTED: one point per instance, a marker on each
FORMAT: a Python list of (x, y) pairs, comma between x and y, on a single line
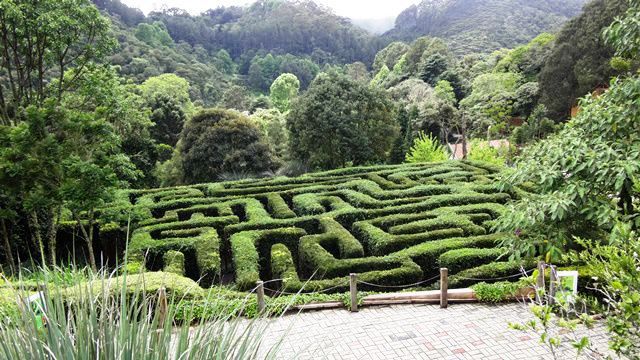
[(491, 273), (460, 259)]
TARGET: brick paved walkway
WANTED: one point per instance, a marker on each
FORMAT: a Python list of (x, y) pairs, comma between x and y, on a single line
[(468, 331)]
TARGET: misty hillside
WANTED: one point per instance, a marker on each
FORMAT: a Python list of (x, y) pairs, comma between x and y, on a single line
[(483, 25)]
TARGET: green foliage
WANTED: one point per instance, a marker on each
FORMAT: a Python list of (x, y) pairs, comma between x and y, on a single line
[(235, 97), (498, 292), (154, 34), (168, 85), (390, 55), (339, 122), (107, 96), (616, 266), (95, 318), (624, 33), (169, 117), (313, 231), (283, 90), (264, 70), (45, 38), (482, 151), (426, 149), (491, 272), (472, 27), (460, 259), (580, 60), (577, 170), (537, 127), (239, 146), (299, 28), (555, 330), (273, 125), (381, 77), (174, 262), (402, 142)]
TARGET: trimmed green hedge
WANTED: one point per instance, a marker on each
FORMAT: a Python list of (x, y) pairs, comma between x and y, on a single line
[(427, 254), (174, 262), (490, 273), (246, 247), (461, 259)]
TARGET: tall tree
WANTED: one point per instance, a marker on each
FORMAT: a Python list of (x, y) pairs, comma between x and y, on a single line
[(40, 39), (339, 121), (283, 90), (580, 59), (216, 141)]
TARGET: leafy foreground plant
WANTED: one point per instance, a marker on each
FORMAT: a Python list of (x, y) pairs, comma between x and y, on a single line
[(112, 317), (560, 320)]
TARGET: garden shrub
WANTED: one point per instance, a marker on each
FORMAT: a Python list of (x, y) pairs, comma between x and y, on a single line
[(490, 273), (426, 149), (174, 262), (460, 259), (498, 292)]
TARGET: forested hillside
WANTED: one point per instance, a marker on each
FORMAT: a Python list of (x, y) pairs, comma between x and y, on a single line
[(483, 25), (298, 27)]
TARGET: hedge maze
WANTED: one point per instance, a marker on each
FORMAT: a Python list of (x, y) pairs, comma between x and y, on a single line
[(393, 225)]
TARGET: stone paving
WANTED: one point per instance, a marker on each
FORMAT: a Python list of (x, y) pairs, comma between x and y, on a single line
[(463, 331)]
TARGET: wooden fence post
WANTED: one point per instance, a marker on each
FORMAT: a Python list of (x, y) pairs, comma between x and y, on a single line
[(163, 307), (540, 288), (553, 283), (353, 288), (260, 295), (444, 288)]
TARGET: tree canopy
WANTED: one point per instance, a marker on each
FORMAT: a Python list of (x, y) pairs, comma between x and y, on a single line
[(216, 142), (339, 122)]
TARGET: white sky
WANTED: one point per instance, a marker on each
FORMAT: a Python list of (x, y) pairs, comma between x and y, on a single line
[(355, 9)]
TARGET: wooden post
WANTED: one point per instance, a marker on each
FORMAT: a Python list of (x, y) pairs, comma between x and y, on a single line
[(444, 288), (540, 288), (353, 288), (163, 307), (553, 283), (260, 294)]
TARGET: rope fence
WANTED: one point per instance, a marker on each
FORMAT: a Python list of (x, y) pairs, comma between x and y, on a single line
[(353, 282), (520, 274), (399, 286)]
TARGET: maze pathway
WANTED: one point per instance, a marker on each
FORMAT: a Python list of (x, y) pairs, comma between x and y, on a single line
[(392, 225)]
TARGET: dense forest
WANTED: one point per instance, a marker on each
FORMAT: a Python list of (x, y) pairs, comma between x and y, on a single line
[(471, 26)]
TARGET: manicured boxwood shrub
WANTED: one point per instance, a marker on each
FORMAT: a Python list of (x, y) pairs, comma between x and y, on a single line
[(490, 273), (174, 262), (245, 250), (278, 207), (144, 284), (461, 259), (427, 254)]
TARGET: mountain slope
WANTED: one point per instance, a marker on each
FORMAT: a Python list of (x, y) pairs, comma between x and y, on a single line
[(299, 27), (483, 25)]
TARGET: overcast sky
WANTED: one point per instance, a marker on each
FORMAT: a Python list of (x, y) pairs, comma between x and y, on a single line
[(355, 9)]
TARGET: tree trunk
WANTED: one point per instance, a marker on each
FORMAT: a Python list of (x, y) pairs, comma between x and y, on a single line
[(464, 142), (88, 236), (52, 233), (7, 246), (36, 236)]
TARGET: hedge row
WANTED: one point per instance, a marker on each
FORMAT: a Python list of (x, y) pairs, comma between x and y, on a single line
[(246, 247), (461, 259), (427, 254), (490, 273)]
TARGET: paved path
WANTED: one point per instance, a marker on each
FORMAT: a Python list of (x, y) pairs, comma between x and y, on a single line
[(468, 331)]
